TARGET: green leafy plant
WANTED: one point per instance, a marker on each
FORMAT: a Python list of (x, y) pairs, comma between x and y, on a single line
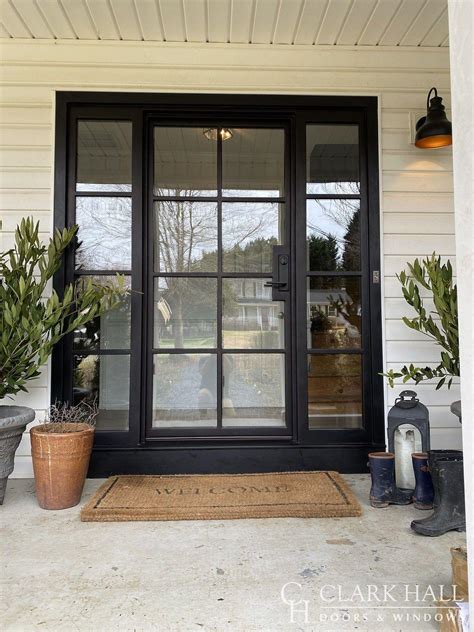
[(31, 322), (437, 278)]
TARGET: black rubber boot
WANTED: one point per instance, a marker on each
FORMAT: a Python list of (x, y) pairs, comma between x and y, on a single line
[(384, 491), (433, 457), (448, 482), (423, 494)]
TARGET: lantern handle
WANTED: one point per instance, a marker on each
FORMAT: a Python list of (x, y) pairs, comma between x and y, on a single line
[(407, 399)]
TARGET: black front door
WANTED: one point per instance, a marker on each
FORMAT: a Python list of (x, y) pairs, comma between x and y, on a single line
[(219, 336), (247, 229)]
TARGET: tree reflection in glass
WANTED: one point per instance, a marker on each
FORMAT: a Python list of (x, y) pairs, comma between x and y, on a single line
[(185, 236), (249, 232), (104, 236), (333, 235), (185, 312)]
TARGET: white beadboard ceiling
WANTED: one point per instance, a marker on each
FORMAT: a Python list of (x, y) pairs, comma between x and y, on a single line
[(313, 22)]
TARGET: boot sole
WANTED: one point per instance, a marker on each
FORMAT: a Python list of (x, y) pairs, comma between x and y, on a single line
[(378, 505), (434, 534), (423, 507)]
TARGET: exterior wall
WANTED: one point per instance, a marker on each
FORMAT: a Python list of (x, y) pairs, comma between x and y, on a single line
[(461, 23), (416, 186)]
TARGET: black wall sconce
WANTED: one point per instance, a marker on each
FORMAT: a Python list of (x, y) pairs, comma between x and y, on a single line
[(434, 129)]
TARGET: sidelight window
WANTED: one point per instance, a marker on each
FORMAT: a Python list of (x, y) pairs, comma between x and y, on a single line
[(103, 211), (334, 274)]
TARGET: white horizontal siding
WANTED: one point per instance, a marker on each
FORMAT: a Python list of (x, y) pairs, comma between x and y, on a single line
[(416, 186)]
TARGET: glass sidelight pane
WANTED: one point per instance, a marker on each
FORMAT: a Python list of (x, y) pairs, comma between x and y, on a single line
[(332, 159), (185, 162), (253, 390), (249, 232), (185, 312), (104, 236), (250, 319), (253, 163), (334, 312), (104, 156), (184, 391), (333, 235), (335, 391), (185, 238), (109, 331), (106, 380)]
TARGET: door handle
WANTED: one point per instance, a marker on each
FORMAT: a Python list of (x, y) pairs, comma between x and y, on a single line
[(280, 283)]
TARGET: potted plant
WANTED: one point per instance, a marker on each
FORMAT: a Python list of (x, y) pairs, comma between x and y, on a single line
[(446, 466), (437, 278), (322, 334), (61, 448), (31, 323)]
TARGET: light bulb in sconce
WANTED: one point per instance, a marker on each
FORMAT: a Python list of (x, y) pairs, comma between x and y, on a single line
[(212, 133)]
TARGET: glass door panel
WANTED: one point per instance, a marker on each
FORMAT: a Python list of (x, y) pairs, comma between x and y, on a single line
[(220, 339), (334, 391), (253, 163), (249, 232), (335, 283), (185, 391), (185, 162), (254, 390), (102, 208), (185, 236), (332, 159)]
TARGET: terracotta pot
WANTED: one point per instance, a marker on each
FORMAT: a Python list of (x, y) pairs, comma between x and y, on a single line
[(60, 462)]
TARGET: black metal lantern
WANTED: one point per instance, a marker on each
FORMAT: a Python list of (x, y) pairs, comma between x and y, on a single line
[(407, 411), (434, 130)]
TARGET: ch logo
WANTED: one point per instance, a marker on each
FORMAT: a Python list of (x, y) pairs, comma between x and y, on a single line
[(291, 596)]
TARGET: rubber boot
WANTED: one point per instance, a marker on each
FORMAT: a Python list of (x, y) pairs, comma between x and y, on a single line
[(435, 455), (424, 493), (384, 491), (448, 482)]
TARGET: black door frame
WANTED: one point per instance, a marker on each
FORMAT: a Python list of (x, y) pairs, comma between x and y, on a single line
[(345, 450)]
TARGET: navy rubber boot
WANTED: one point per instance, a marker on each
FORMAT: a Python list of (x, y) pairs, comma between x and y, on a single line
[(384, 491), (424, 492)]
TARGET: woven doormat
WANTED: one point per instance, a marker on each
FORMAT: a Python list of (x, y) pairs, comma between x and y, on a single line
[(222, 496)]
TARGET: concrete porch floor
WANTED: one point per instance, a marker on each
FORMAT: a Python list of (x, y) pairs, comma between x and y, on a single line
[(61, 574)]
